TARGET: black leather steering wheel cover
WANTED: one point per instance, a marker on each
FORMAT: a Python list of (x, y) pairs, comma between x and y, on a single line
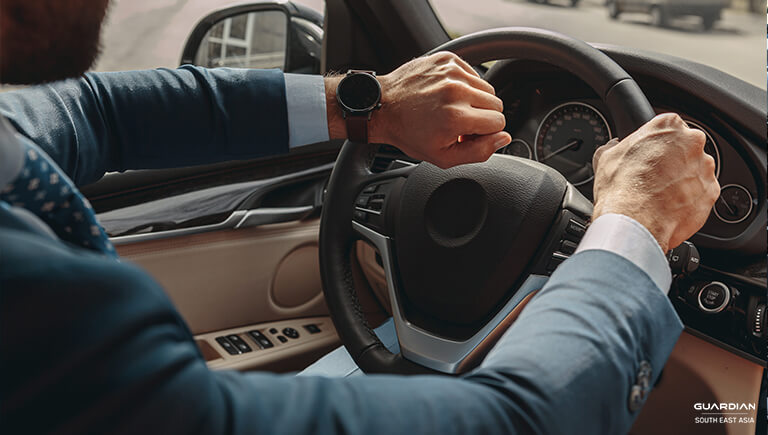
[(337, 242), (628, 106)]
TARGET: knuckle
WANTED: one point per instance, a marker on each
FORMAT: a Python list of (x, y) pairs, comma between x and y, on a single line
[(698, 137), (667, 119), (442, 70), (715, 189), (498, 103), (454, 69), (596, 157), (453, 90), (674, 119), (710, 163), (659, 119), (499, 121), (607, 152), (444, 56), (493, 103)]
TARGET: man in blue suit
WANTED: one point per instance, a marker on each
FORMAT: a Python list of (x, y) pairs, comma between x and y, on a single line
[(92, 345)]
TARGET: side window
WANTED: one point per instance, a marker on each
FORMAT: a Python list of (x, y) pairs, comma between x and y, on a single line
[(260, 35)]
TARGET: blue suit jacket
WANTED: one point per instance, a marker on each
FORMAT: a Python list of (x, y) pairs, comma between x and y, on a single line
[(89, 345)]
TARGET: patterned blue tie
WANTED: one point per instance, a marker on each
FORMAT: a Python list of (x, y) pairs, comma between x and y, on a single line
[(43, 189)]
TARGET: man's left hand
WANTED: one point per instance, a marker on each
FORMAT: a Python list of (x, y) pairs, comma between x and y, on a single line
[(428, 104)]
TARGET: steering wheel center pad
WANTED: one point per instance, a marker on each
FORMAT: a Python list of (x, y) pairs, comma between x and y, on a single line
[(465, 235)]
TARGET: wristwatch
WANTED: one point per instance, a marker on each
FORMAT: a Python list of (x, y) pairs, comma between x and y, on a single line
[(358, 94)]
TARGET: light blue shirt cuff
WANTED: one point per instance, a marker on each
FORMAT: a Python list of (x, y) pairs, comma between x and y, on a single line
[(626, 237), (307, 118)]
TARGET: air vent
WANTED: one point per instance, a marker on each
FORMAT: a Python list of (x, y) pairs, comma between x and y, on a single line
[(385, 156)]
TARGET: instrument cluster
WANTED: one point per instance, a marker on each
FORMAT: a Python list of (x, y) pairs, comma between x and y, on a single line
[(562, 128)]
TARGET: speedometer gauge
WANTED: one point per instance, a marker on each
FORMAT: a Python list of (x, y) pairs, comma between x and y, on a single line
[(734, 205), (568, 137)]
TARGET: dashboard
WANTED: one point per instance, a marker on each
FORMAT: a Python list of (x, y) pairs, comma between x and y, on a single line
[(720, 293), (560, 122), (556, 119)]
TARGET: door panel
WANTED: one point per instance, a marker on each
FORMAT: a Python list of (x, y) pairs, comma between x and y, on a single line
[(238, 257), (230, 278), (700, 372)]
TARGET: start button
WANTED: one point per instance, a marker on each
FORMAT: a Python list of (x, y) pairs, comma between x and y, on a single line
[(714, 297)]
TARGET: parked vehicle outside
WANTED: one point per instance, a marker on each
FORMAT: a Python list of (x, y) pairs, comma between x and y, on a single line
[(572, 3), (662, 12)]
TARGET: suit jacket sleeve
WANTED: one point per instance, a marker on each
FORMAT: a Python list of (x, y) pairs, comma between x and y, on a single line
[(153, 119), (122, 360)]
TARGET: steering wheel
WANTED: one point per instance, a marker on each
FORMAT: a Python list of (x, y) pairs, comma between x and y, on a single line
[(463, 249)]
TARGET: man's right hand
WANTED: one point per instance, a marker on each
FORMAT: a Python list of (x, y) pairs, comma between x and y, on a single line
[(660, 176)]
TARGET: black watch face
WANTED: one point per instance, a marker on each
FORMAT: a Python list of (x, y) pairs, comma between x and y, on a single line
[(359, 92)]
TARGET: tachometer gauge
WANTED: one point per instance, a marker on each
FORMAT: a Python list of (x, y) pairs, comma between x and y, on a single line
[(518, 148), (710, 147), (568, 137), (734, 204)]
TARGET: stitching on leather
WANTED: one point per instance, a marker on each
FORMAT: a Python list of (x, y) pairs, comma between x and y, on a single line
[(352, 297)]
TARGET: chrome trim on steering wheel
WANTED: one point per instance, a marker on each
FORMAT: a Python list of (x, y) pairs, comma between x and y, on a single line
[(427, 349)]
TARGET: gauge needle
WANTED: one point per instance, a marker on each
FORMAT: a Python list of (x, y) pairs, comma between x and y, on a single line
[(725, 203), (563, 148)]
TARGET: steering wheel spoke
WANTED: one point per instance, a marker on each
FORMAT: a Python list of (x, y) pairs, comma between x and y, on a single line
[(450, 356), (380, 192), (565, 234)]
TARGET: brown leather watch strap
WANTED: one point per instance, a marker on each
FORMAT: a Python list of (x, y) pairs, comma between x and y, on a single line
[(357, 128)]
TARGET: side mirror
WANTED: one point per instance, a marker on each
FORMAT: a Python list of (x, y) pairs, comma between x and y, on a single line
[(258, 35)]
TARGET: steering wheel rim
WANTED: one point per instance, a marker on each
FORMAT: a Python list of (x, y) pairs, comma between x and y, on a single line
[(629, 109)]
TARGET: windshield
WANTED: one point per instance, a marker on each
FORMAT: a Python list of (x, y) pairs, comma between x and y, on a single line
[(726, 34)]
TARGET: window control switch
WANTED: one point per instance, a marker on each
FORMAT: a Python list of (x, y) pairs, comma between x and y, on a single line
[(241, 345), (227, 345), (312, 328), (260, 339)]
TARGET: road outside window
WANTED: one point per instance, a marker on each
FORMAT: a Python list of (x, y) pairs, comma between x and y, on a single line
[(731, 42)]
